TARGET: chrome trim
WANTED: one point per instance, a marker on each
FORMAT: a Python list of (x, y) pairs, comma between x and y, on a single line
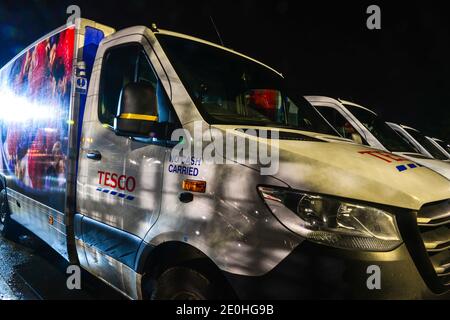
[(437, 240), (434, 215)]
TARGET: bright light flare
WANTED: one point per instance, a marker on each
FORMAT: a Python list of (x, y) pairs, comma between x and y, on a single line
[(14, 108)]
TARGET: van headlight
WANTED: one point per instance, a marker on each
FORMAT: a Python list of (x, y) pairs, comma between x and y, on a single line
[(333, 222)]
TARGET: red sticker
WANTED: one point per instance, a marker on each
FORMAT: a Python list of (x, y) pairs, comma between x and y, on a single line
[(387, 157)]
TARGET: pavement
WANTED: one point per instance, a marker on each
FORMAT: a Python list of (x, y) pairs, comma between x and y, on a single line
[(31, 270)]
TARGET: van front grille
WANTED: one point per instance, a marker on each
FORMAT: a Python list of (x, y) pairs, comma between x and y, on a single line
[(434, 226)]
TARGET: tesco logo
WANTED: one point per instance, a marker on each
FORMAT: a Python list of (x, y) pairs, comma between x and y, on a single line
[(116, 181)]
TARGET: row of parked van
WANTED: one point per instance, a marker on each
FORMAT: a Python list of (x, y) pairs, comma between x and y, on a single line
[(88, 117), (364, 126)]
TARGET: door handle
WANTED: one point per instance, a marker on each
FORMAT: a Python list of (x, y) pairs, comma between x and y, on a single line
[(94, 155)]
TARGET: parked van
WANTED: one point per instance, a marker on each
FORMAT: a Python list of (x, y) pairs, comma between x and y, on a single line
[(90, 118), (364, 126), (423, 143)]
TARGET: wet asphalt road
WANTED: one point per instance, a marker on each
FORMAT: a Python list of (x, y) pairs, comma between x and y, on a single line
[(30, 270)]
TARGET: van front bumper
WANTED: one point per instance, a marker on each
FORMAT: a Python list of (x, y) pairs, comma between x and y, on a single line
[(314, 271)]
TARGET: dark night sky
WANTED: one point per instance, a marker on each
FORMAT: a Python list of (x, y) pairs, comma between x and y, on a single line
[(322, 47)]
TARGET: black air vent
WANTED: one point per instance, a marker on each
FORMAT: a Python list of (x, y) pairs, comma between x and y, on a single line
[(434, 224)]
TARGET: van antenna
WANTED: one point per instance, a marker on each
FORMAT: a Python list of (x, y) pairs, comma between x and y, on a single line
[(217, 30)]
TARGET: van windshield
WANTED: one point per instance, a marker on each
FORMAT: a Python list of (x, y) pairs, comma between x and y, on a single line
[(443, 145), (230, 89), (387, 136), (427, 144)]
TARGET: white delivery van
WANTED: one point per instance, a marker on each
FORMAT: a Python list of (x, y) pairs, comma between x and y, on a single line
[(423, 143), (364, 126), (89, 119)]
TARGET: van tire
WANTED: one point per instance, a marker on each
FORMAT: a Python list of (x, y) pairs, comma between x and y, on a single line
[(5, 218), (181, 283)]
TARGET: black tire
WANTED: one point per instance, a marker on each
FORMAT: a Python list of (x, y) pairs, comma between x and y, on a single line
[(180, 283), (5, 219)]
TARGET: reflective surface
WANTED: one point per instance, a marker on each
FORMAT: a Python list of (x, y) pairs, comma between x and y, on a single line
[(35, 93), (230, 89), (381, 130), (428, 145)]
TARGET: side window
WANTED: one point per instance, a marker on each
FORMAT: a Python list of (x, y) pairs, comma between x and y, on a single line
[(405, 139), (341, 124), (296, 117), (122, 65)]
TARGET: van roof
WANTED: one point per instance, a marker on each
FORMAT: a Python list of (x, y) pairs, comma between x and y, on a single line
[(356, 105), (409, 128), (333, 100), (401, 126)]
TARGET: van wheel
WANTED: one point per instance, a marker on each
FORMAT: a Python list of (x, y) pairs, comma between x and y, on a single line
[(5, 220), (181, 283)]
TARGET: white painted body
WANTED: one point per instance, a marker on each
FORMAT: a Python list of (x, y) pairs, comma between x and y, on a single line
[(424, 158), (229, 224)]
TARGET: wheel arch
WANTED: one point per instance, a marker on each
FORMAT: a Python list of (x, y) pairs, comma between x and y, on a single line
[(151, 262)]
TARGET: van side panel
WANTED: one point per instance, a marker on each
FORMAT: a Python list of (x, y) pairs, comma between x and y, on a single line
[(43, 93), (35, 108)]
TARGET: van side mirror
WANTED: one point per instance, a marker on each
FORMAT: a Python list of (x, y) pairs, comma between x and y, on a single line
[(137, 112)]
